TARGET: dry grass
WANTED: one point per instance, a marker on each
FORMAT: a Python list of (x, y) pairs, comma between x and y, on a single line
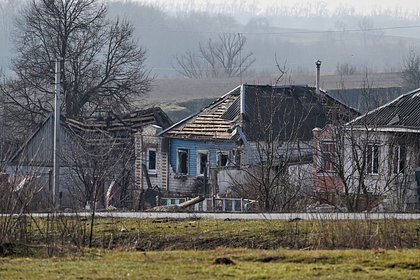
[(200, 249), (71, 234), (247, 264)]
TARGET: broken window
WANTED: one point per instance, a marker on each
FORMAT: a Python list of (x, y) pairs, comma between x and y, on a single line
[(398, 157), (223, 159), (151, 160), (182, 161), (372, 159), (328, 156), (202, 162)]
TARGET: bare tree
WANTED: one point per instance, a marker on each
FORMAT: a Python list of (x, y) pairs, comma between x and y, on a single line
[(224, 57), (345, 69), (358, 166), (20, 194), (96, 158), (277, 147), (411, 71), (276, 167), (103, 66)]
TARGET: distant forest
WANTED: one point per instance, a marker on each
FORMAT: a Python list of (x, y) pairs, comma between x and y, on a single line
[(296, 37)]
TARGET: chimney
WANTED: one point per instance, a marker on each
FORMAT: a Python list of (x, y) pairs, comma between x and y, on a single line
[(318, 73), (242, 99)]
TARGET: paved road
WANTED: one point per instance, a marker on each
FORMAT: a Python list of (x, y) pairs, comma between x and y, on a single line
[(250, 216)]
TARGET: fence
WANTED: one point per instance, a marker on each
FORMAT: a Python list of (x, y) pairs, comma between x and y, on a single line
[(212, 204)]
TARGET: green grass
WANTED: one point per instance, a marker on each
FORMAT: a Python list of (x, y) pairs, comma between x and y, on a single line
[(201, 234), (248, 264), (188, 248), (158, 234)]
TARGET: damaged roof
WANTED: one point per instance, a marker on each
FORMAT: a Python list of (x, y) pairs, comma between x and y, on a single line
[(263, 111), (215, 121), (114, 123), (402, 112), (120, 127)]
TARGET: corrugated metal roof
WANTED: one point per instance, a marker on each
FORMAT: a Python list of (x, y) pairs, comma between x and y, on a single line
[(233, 111), (403, 111), (287, 108)]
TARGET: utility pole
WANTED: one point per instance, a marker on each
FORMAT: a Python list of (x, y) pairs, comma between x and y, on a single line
[(56, 149)]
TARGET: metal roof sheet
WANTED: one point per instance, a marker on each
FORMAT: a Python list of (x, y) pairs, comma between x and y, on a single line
[(403, 111), (292, 110)]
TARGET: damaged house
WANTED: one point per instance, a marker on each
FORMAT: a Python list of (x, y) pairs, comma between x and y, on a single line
[(243, 144), (372, 161), (96, 157)]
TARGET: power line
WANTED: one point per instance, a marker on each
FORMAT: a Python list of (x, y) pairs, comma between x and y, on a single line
[(335, 31), (292, 31)]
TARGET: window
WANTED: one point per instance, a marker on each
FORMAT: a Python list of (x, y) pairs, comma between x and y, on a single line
[(223, 159), (182, 167), (328, 156), (202, 159), (372, 159), (397, 157), (151, 161)]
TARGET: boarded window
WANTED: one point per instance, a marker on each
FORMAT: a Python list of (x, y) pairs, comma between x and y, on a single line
[(182, 161)]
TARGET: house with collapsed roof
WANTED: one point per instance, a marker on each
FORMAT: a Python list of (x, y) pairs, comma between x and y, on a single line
[(372, 161), (94, 149), (208, 152)]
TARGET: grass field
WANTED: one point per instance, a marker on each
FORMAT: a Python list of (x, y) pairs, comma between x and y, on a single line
[(189, 249), (184, 234), (247, 264), (206, 234)]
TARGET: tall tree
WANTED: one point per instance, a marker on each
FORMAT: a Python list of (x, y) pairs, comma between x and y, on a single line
[(103, 66), (411, 71), (96, 158), (223, 57)]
